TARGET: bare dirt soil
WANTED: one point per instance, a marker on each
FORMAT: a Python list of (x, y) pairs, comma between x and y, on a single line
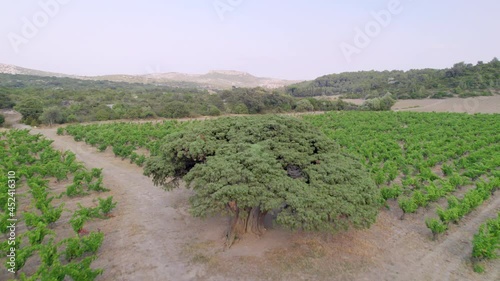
[(144, 239), (13, 119), (473, 105), (469, 105)]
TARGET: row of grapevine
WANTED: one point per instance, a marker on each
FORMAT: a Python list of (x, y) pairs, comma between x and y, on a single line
[(37, 243), (458, 208), (125, 139), (486, 242), (418, 158), (422, 196)]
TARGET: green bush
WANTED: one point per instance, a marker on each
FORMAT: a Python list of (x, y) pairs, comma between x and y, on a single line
[(437, 227), (106, 205), (408, 205), (391, 192)]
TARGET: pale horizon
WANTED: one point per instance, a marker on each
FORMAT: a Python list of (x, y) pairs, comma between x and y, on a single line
[(293, 40)]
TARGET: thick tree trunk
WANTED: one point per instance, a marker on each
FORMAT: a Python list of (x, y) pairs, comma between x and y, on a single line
[(244, 221), (255, 221)]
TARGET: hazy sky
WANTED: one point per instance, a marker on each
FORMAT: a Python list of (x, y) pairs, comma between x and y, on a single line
[(276, 38)]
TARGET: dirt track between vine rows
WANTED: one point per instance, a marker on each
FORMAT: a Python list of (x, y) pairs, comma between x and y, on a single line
[(144, 238)]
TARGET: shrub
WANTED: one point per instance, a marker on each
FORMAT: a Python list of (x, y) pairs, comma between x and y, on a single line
[(437, 227), (391, 192)]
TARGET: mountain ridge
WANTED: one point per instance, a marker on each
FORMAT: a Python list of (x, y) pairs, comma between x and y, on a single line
[(214, 79)]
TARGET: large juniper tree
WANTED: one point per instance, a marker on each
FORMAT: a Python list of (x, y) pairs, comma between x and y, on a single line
[(252, 166)]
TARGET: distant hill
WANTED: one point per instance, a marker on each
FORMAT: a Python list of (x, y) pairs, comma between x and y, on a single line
[(461, 80), (12, 69), (216, 79)]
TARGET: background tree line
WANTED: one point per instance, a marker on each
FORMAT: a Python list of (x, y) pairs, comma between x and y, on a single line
[(461, 80), (52, 100)]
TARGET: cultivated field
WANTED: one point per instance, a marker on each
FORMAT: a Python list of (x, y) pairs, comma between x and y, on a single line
[(421, 161), (488, 104), (469, 105)]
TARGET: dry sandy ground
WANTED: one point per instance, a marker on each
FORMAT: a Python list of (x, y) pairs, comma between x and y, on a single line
[(468, 105), (143, 241)]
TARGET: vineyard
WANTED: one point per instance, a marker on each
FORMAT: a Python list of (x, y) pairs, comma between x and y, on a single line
[(443, 162), (419, 159), (125, 139), (46, 231)]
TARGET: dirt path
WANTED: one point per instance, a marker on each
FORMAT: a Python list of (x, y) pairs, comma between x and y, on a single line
[(13, 119), (410, 254), (446, 258), (144, 240)]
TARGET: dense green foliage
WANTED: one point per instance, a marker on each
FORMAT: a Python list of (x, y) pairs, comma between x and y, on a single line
[(5, 101), (462, 80), (2, 120), (54, 100), (86, 100), (418, 158), (252, 166), (125, 139), (405, 147), (31, 109), (37, 243), (384, 103)]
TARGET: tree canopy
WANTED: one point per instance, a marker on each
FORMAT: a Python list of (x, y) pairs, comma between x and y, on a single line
[(51, 116), (5, 101), (384, 103), (253, 166), (31, 109)]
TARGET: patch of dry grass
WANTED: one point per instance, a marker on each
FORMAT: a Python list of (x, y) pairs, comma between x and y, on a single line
[(306, 257), (202, 253)]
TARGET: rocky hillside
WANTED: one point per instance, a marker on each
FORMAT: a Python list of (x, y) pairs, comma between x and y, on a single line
[(217, 79)]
